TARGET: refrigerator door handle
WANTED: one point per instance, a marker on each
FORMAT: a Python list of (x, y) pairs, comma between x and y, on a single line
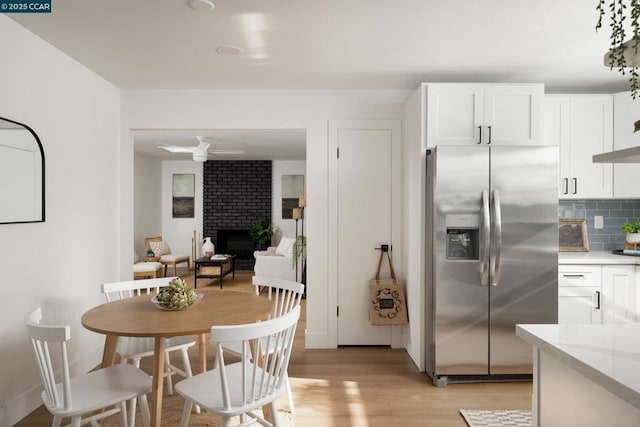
[(496, 243), (486, 239)]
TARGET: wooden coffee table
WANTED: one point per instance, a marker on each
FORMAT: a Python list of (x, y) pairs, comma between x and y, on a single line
[(207, 268)]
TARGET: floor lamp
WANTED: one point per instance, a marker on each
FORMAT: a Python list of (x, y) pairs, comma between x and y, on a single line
[(297, 215)]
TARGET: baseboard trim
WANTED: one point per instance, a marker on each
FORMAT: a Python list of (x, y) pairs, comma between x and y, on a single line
[(317, 340)]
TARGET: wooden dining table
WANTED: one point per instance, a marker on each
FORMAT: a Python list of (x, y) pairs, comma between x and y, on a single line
[(139, 317)]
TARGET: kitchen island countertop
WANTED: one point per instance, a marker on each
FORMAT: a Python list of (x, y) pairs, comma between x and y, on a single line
[(598, 365)]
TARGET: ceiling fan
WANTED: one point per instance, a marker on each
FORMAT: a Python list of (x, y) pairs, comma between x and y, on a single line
[(201, 151)]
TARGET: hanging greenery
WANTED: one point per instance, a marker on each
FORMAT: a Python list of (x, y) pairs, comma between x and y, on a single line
[(618, 16), (299, 250)]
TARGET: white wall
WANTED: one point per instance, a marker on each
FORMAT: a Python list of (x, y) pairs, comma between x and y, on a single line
[(178, 232), (153, 183), (280, 109), (287, 227), (60, 263), (413, 229), (147, 192)]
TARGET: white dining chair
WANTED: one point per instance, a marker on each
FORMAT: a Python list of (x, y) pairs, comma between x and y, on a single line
[(82, 397), (135, 348), (286, 295), (239, 388)]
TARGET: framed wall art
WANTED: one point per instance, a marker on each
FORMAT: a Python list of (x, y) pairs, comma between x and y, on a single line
[(292, 189), (572, 235), (184, 191)]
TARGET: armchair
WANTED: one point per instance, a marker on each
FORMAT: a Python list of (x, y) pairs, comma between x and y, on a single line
[(145, 269), (277, 261), (162, 250)]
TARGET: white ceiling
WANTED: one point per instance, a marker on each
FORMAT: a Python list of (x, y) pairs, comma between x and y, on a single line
[(256, 144), (333, 44)]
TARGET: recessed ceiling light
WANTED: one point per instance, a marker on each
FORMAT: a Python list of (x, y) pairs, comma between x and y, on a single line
[(229, 50), (201, 5)]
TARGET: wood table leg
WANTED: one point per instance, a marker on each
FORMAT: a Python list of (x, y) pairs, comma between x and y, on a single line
[(202, 351), (157, 381), (109, 351)]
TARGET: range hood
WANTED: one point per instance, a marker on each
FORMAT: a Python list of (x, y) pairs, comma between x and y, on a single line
[(626, 155)]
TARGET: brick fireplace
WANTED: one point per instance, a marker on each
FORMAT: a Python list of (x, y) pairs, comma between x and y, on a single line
[(235, 193)]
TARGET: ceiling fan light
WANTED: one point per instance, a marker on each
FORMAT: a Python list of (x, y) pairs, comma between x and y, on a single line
[(199, 157)]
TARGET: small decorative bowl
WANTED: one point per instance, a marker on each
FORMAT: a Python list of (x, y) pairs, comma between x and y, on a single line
[(163, 306)]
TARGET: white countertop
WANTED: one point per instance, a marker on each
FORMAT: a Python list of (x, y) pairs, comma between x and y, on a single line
[(596, 257), (608, 355)]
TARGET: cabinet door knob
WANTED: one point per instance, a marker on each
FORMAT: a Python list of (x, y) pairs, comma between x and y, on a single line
[(575, 185), (489, 128), (597, 300), (480, 135), (565, 184)]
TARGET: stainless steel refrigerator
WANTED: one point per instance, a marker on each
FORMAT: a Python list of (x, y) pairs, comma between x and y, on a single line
[(491, 258)]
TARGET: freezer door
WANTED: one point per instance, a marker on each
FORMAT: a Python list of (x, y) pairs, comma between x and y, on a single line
[(460, 260), (524, 264)]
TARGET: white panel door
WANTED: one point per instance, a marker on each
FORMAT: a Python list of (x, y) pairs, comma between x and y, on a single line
[(365, 204)]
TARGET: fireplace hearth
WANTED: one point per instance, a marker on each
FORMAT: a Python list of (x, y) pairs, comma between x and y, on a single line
[(239, 243)]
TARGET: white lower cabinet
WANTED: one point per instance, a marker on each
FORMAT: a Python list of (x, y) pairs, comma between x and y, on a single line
[(619, 294), (589, 294), (579, 305), (579, 294)]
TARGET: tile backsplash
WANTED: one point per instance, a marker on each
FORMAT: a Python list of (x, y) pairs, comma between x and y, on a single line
[(614, 213)]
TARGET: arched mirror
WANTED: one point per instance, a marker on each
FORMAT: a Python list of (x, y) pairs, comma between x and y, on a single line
[(21, 174)]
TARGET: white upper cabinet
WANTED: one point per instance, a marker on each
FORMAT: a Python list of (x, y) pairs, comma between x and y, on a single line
[(473, 114), (626, 111), (582, 125), (513, 113)]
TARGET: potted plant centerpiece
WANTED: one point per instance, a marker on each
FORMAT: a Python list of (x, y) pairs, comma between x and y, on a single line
[(261, 233), (633, 231)]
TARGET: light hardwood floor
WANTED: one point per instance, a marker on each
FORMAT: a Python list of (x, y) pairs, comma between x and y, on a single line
[(367, 387)]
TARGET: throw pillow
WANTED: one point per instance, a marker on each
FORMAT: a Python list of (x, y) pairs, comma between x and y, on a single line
[(160, 248), (285, 247)]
